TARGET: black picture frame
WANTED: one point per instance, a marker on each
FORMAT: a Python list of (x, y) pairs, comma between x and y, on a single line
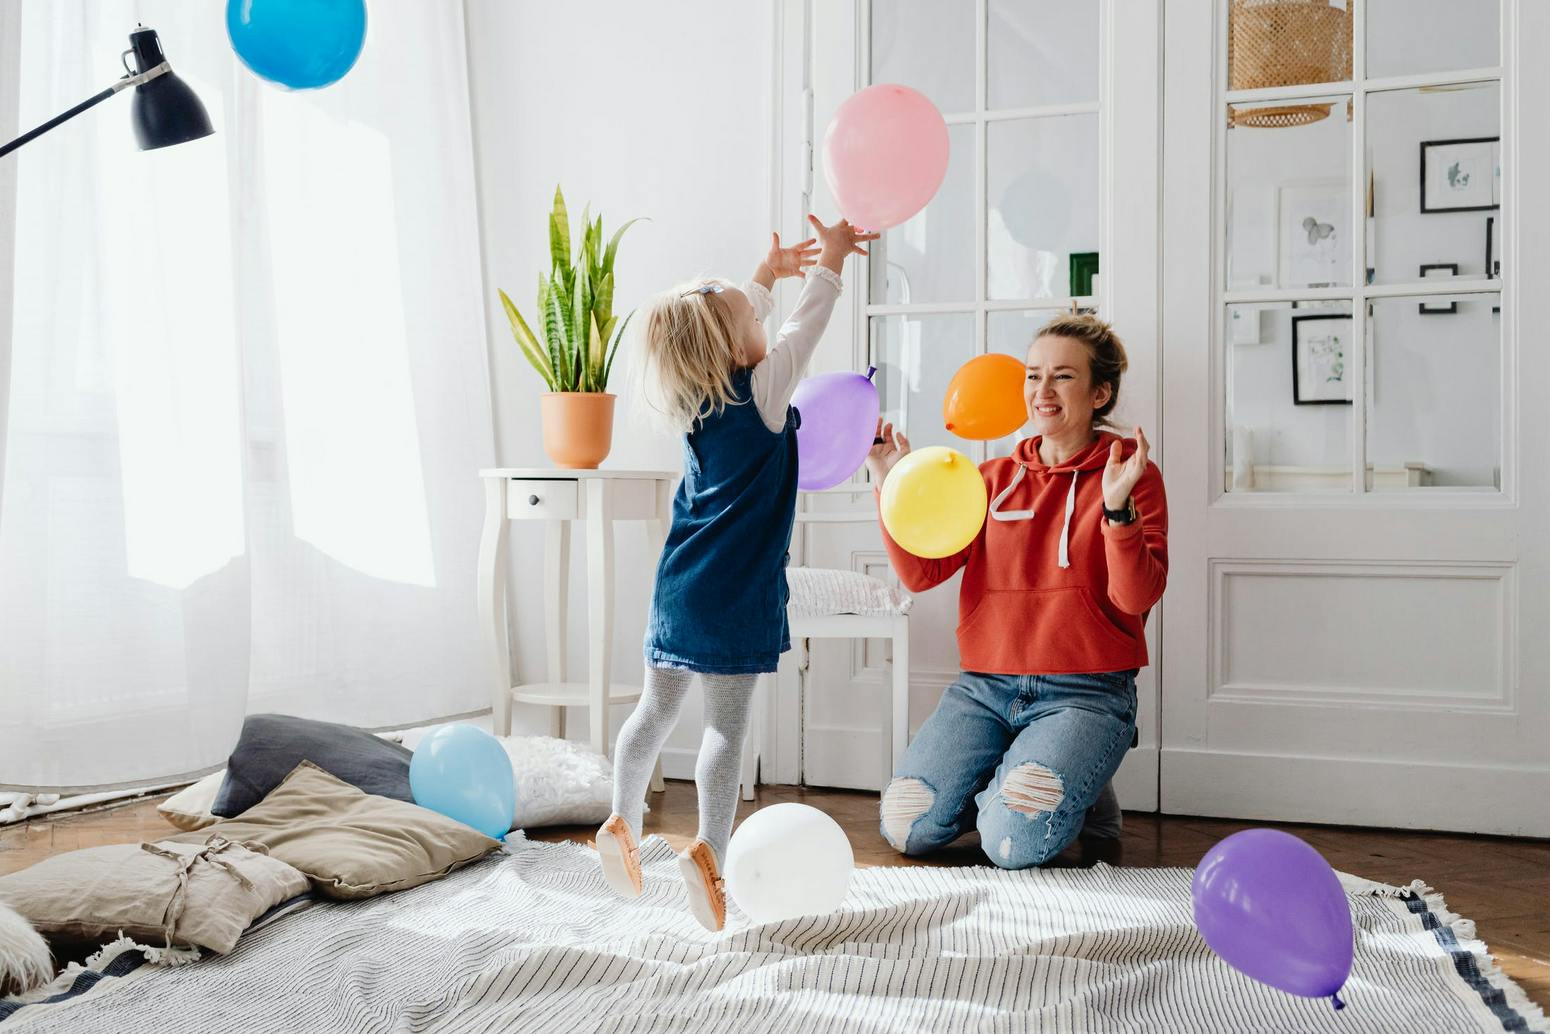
[(1084, 266), (1429, 209), (1298, 323), (1432, 308), (1493, 265)]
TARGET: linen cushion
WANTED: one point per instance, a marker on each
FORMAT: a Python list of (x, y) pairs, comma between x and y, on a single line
[(559, 782), (189, 808), (193, 895), (348, 843)]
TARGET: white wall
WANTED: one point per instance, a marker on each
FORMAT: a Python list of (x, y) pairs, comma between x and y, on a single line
[(649, 110)]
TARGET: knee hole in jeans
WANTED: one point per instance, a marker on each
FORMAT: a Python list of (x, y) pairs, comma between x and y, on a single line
[(1029, 789), (904, 801)]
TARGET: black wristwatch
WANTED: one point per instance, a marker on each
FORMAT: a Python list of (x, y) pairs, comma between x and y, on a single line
[(1121, 517)]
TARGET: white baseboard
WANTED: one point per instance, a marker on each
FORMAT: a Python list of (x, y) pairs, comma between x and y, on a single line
[(678, 762), (1345, 791)]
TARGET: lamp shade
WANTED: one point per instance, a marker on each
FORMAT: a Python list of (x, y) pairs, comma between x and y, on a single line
[(166, 110)]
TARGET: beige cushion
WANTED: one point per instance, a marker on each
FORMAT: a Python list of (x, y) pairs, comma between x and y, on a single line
[(201, 895), (189, 808), (351, 844)]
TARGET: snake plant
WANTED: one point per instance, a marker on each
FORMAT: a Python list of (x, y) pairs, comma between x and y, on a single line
[(579, 332)]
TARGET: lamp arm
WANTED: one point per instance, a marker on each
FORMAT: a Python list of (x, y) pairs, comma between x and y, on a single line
[(121, 84)]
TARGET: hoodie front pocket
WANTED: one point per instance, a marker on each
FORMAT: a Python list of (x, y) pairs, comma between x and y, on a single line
[(1033, 631)]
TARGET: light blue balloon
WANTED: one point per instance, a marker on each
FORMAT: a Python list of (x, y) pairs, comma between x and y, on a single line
[(463, 773), (303, 44)]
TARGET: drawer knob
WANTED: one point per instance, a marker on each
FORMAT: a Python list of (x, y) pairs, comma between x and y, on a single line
[(532, 500)]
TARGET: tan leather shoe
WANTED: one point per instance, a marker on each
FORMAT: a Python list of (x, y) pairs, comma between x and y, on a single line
[(702, 878), (620, 857)]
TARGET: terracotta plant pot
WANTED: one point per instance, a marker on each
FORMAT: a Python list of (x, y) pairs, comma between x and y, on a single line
[(578, 427)]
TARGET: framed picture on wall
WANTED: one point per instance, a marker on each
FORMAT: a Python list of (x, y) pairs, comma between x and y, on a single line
[(1460, 175), (1439, 271), (1313, 248), (1320, 374)]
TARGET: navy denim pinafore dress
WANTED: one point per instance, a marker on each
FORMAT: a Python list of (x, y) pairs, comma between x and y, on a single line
[(719, 604)]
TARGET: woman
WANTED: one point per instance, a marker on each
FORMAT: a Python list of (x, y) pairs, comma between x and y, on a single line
[(1056, 589)]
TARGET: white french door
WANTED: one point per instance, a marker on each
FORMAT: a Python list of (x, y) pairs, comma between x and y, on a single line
[(1053, 118), (1359, 565)]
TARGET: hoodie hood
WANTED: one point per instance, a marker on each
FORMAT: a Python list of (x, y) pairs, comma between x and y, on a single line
[(1094, 457), (1026, 456)]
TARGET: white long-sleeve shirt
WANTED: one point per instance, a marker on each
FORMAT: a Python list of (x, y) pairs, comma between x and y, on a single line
[(776, 376)]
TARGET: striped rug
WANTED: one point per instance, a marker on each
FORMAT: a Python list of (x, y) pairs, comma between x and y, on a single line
[(531, 942)]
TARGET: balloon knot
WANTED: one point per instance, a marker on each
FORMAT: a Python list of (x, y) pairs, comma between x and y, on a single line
[(870, 370), (1338, 1003)]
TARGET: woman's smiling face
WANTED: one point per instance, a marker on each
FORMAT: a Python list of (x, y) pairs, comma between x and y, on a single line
[(1058, 391)]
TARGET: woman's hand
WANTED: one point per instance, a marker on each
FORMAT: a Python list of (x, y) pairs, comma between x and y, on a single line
[(839, 242), (1120, 475), (889, 449)]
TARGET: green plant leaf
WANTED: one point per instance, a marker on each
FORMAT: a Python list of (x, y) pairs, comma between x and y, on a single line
[(603, 301), (613, 246), (595, 355), (608, 367), (559, 346), (559, 231), (580, 312), (526, 341)]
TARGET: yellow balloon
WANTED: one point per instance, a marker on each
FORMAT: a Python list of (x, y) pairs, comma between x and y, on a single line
[(934, 502)]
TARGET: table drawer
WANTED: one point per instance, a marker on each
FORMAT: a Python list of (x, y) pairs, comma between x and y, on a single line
[(542, 500)]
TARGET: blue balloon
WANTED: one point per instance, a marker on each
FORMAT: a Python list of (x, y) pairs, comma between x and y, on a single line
[(464, 773), (302, 44)]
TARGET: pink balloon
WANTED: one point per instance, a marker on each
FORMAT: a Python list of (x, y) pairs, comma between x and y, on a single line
[(884, 155)]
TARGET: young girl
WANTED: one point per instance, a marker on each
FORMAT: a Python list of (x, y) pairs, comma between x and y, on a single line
[(719, 604)]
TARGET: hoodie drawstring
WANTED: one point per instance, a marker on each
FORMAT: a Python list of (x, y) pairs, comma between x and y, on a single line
[(1065, 529), (999, 514)]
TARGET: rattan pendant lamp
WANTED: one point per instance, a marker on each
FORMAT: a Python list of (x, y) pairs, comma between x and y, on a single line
[(1286, 43)]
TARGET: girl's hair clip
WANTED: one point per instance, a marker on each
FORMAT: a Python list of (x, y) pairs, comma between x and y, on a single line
[(704, 289)]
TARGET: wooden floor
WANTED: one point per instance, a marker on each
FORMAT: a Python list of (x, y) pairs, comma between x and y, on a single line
[(1502, 884)]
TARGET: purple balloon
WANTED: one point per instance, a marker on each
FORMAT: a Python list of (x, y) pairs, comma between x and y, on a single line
[(1272, 908), (839, 421)]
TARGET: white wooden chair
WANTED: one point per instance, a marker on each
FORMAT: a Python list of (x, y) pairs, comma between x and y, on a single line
[(816, 611)]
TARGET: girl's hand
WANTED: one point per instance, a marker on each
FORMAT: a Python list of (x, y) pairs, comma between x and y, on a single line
[(839, 241), (793, 260), (1120, 475), (891, 448)]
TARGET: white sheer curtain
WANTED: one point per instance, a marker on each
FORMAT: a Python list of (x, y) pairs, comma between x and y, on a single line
[(248, 395)]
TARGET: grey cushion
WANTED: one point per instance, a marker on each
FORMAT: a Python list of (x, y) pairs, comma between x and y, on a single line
[(272, 745)]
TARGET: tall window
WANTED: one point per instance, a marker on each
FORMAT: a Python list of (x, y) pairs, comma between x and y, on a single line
[(1362, 221), (1015, 234)]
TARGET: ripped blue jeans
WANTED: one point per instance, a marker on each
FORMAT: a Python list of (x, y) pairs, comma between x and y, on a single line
[(1019, 757)]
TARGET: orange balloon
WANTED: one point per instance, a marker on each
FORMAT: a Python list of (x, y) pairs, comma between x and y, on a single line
[(985, 398)]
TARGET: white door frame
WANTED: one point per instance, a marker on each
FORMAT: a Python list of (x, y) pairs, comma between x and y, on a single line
[(1468, 758), (822, 57)]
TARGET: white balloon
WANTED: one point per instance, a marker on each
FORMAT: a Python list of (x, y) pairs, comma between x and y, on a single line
[(788, 860)]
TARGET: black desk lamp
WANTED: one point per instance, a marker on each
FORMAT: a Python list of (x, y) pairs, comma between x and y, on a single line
[(165, 111)]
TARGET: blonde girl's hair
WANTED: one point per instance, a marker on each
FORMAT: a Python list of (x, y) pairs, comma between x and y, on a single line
[(691, 352), (1106, 359)]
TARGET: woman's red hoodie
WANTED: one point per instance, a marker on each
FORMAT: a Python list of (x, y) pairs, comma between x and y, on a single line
[(1049, 586)]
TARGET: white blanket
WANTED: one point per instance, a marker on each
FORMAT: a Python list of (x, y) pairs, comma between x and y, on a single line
[(534, 942)]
